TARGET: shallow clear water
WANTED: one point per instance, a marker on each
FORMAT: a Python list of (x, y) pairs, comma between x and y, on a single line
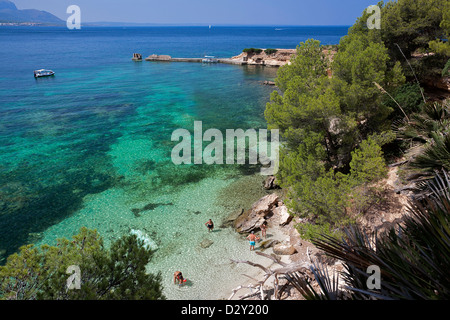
[(91, 146)]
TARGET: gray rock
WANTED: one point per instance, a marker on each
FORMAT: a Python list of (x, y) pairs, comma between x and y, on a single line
[(282, 214), (268, 243), (270, 183), (255, 217), (284, 249), (206, 243), (228, 221)]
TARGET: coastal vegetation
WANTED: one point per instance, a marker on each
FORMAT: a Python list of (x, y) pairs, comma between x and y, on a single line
[(252, 50), (341, 128), (413, 257), (118, 273), (344, 116), (270, 51)]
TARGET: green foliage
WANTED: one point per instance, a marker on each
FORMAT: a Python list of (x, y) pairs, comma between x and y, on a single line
[(325, 197), (310, 231), (357, 66), (308, 110), (411, 24), (252, 50), (408, 96), (309, 63), (432, 117), (436, 156), (117, 273), (22, 276), (367, 163), (334, 127), (446, 70), (270, 51), (413, 256), (428, 131), (438, 46), (322, 121)]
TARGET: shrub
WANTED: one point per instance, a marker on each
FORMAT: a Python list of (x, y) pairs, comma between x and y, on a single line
[(408, 96), (446, 70), (252, 51), (367, 163), (270, 51), (115, 274)]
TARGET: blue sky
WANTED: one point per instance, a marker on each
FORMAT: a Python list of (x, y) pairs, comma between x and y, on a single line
[(240, 12)]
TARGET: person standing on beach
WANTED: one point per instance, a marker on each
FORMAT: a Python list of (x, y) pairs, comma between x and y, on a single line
[(210, 225), (263, 230), (252, 238)]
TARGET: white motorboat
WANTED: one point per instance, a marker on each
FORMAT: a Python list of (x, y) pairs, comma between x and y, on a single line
[(43, 73), (209, 59)]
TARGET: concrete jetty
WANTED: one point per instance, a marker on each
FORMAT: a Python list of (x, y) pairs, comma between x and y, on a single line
[(166, 58), (269, 58)]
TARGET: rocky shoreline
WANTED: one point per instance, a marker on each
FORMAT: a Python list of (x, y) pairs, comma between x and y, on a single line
[(276, 59), (284, 243)]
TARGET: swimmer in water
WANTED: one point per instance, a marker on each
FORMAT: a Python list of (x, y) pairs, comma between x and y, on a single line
[(209, 225)]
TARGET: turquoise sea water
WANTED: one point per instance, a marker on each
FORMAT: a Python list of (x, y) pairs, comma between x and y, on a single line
[(91, 146)]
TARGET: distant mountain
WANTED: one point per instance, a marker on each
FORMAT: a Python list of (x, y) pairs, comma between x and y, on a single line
[(10, 13)]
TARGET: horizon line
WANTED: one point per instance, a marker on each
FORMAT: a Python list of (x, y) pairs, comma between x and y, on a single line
[(204, 24), (148, 24)]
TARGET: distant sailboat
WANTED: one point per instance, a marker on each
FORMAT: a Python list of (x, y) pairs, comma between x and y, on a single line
[(210, 26)]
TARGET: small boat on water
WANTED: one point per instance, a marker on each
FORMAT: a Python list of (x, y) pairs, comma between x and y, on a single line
[(43, 73), (209, 59)]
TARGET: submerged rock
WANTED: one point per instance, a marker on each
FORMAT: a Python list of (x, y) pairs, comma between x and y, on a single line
[(229, 221), (206, 243), (148, 207), (268, 243)]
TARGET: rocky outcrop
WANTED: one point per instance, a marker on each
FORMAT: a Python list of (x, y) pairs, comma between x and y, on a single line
[(270, 183), (441, 83), (155, 57), (268, 243), (282, 214), (267, 209), (255, 217), (229, 221), (277, 59), (284, 248)]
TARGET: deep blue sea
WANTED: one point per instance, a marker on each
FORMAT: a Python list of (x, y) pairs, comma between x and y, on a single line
[(91, 146)]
